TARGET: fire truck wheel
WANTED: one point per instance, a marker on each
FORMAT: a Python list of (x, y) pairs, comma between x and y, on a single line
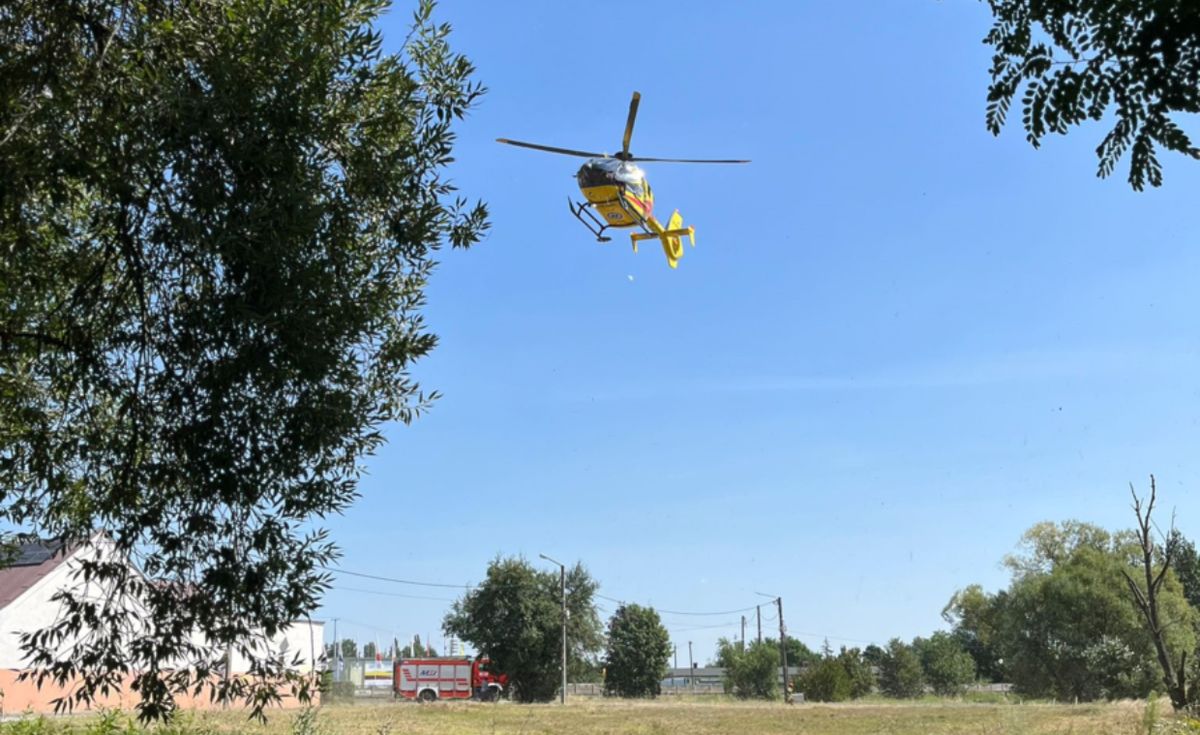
[(427, 695), (491, 694)]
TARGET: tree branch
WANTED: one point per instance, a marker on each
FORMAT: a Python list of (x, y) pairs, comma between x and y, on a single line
[(43, 338)]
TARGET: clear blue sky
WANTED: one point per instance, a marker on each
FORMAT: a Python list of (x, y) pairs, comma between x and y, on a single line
[(898, 344)]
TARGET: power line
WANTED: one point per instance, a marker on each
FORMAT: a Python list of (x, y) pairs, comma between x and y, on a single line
[(682, 612), (392, 594), (368, 625), (725, 612), (794, 633), (399, 581), (686, 629), (468, 586), (465, 586)]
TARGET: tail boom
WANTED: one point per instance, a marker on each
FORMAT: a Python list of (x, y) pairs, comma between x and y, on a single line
[(670, 236)]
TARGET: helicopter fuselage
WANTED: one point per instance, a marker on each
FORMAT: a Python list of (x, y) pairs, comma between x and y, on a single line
[(618, 190), (618, 194)]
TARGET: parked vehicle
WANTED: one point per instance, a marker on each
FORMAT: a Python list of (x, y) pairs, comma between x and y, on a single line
[(447, 677)]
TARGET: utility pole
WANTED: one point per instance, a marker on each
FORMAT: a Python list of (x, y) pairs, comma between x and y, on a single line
[(758, 615), (787, 696), (337, 653), (676, 646), (562, 572), (743, 634), (691, 669)]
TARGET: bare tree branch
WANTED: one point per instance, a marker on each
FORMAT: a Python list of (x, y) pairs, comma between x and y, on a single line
[(1147, 600)]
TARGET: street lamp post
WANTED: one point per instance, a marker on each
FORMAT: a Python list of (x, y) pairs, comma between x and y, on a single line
[(562, 577)]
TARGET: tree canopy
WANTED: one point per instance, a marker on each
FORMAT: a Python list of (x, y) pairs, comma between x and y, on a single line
[(639, 649), (514, 617), (1066, 627), (752, 672), (1079, 60), (900, 672), (1186, 565), (826, 681), (948, 669), (217, 222)]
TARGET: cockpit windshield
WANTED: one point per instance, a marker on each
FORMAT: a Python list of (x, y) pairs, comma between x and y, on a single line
[(610, 172)]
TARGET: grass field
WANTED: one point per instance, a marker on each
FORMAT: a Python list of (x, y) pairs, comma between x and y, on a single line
[(663, 717), (594, 717)]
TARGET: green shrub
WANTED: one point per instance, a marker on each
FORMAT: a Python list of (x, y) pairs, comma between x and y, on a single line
[(111, 722), (752, 673), (900, 671), (825, 681), (28, 726)]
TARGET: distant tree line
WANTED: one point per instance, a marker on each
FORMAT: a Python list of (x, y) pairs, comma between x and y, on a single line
[(1088, 614), (938, 664), (350, 649), (1068, 626)]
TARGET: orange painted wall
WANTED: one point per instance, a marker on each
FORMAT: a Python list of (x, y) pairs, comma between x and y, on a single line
[(17, 697)]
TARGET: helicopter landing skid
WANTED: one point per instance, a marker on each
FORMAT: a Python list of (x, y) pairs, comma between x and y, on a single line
[(593, 223)]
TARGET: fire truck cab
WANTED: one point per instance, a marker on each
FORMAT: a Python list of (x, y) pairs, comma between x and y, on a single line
[(447, 677)]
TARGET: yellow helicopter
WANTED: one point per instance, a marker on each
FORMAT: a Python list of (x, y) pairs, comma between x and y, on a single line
[(617, 188)]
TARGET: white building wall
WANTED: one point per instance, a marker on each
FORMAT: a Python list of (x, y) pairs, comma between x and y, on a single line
[(34, 610), (31, 611), (302, 639)]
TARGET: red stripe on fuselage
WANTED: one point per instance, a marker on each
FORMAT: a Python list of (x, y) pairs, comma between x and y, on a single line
[(645, 207)]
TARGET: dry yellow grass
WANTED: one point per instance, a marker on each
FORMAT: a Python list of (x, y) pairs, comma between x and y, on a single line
[(670, 717)]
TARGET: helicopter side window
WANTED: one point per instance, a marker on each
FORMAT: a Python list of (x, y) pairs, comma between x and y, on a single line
[(636, 188)]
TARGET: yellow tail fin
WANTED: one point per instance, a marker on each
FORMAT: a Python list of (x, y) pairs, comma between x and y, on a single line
[(671, 236)]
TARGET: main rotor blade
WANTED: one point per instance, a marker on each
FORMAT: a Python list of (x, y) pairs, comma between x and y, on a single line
[(552, 149), (682, 160), (633, 105)]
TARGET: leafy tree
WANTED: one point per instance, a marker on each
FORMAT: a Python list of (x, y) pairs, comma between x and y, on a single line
[(798, 654), (752, 673), (1046, 545), (825, 681), (514, 617), (947, 668), (725, 649), (585, 670), (1078, 59), (862, 679), (1066, 627), (369, 649), (639, 649), (900, 671), (836, 678), (349, 648), (1186, 565), (1115, 671), (217, 222), (973, 615), (873, 655)]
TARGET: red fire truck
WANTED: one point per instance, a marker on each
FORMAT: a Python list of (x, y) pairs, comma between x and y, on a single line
[(447, 677)]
